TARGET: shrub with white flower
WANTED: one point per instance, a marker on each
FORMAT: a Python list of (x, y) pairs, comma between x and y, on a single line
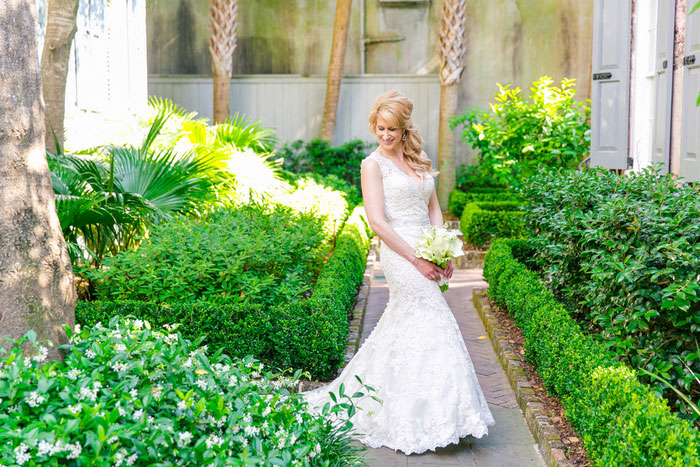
[(438, 245), (152, 409)]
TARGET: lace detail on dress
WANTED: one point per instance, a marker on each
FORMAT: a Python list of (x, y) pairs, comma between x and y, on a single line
[(415, 358)]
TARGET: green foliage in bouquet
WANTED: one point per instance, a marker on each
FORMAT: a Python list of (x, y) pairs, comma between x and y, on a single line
[(519, 136), (621, 421), (129, 394), (625, 252), (483, 221)]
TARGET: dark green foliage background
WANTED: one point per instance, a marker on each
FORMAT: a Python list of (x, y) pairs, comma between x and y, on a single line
[(624, 251), (319, 157)]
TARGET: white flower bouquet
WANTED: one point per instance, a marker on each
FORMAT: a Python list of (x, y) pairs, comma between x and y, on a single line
[(438, 245)]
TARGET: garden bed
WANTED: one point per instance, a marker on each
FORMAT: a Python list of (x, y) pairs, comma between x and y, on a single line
[(309, 334)]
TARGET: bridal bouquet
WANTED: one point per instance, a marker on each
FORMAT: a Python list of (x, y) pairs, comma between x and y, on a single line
[(438, 245)]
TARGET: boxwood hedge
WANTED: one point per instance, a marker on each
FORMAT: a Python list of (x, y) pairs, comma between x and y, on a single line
[(621, 420), (483, 221), (308, 334), (458, 199)]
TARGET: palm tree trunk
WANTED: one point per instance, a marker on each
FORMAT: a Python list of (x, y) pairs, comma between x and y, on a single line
[(335, 67), (222, 42), (452, 48), (60, 30), (449, 95), (36, 279)]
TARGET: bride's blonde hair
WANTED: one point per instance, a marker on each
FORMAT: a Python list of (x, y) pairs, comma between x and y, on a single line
[(396, 109)]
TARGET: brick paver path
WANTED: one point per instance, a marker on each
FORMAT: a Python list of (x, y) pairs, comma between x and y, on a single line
[(509, 442)]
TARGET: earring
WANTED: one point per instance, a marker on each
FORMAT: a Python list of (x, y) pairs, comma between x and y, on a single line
[(403, 138)]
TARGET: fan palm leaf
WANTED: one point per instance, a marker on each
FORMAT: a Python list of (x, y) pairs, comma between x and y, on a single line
[(240, 132)]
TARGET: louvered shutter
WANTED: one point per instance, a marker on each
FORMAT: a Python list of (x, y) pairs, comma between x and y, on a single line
[(690, 142), (610, 86), (663, 83)]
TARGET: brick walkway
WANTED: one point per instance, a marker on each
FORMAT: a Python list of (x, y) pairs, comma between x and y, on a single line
[(509, 442)]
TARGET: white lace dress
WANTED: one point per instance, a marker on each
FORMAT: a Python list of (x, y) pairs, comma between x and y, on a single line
[(415, 357)]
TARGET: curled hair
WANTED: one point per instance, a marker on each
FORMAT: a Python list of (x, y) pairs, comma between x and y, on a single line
[(396, 109)]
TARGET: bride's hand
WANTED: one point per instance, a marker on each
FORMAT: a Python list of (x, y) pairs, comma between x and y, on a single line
[(429, 270), (449, 269)]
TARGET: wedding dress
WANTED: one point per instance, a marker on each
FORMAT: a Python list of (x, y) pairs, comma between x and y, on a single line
[(415, 357)]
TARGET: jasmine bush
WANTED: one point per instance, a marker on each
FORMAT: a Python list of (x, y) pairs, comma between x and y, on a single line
[(305, 333), (624, 252), (128, 394), (620, 420), (483, 221)]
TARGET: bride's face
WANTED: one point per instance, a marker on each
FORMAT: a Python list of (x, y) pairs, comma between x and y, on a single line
[(389, 137)]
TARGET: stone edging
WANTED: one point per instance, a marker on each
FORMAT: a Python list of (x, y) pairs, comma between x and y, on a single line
[(538, 421), (356, 317)]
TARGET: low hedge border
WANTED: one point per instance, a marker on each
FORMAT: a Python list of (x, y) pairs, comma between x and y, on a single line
[(308, 334), (458, 199), (539, 423), (483, 221), (620, 420)]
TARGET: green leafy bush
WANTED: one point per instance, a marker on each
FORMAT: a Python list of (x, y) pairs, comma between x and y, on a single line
[(476, 177), (620, 420), (318, 156), (625, 252), (483, 221), (458, 199), (308, 334), (251, 253), (351, 192), (517, 136), (131, 395)]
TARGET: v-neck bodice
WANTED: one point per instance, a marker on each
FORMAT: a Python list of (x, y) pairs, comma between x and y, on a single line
[(405, 200), (420, 177)]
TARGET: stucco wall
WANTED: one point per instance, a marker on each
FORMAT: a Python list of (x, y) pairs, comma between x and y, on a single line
[(508, 41)]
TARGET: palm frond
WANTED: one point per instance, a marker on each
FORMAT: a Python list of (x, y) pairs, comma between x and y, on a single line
[(240, 132)]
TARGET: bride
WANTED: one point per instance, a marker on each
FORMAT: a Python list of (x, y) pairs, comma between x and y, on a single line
[(415, 357)]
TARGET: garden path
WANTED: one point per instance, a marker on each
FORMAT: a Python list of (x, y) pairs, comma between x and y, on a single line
[(509, 442)]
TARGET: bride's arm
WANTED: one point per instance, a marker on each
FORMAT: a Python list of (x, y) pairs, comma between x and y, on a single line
[(373, 196), (434, 211)]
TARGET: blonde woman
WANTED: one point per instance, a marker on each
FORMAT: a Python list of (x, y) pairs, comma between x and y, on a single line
[(415, 357)]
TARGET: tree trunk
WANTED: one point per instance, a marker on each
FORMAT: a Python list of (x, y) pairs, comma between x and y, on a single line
[(449, 94), (452, 28), (36, 279), (223, 16), (335, 67), (60, 30)]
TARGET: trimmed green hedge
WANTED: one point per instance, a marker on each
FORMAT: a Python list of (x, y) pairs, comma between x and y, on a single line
[(483, 221), (458, 199), (308, 334), (621, 421)]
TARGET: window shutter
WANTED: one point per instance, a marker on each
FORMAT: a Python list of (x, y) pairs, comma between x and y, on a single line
[(610, 86), (690, 139), (663, 83)]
